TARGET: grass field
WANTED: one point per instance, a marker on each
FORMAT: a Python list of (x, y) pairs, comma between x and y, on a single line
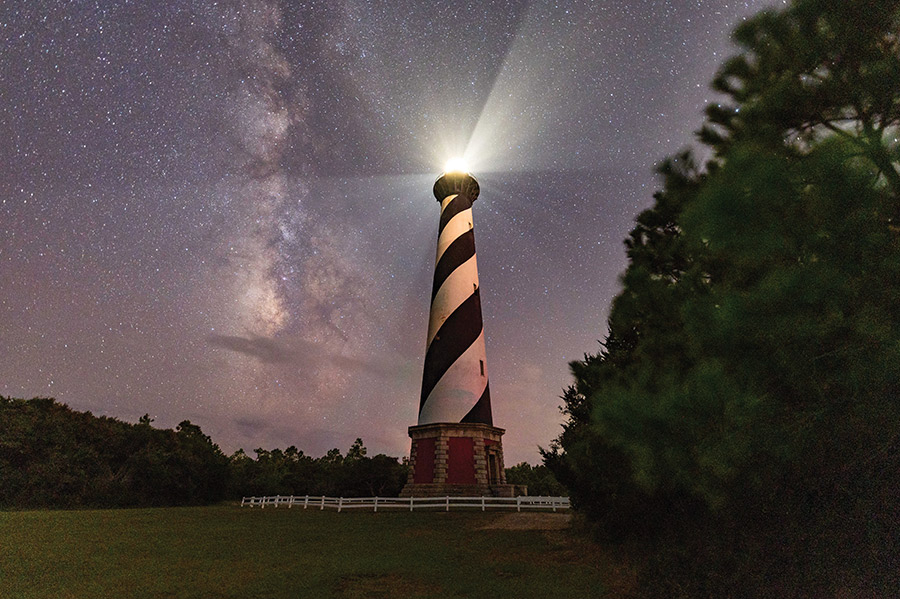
[(227, 551)]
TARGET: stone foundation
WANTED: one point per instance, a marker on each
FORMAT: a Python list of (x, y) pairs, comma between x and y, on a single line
[(456, 459)]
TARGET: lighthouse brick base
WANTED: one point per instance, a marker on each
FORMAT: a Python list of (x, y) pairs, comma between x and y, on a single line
[(456, 459)]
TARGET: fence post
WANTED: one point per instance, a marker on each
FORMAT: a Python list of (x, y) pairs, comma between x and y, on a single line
[(482, 503), (376, 503), (447, 509), (323, 503), (554, 504), (519, 503), (340, 503), (291, 502), (410, 503), (262, 503), (306, 502)]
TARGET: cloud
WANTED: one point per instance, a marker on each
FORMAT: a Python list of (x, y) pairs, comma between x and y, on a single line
[(272, 351), (251, 427), (264, 349)]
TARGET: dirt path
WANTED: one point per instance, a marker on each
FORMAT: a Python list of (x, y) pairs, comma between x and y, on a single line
[(530, 521)]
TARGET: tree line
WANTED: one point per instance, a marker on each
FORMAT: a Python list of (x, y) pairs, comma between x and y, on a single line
[(741, 423), (53, 456)]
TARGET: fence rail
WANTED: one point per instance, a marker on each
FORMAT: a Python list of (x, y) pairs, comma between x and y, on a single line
[(409, 503)]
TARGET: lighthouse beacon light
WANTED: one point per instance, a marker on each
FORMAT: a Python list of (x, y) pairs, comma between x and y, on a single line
[(457, 164)]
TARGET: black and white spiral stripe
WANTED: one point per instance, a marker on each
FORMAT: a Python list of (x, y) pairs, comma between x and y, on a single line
[(455, 382)]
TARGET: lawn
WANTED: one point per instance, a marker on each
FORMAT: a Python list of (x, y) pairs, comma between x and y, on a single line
[(227, 551)]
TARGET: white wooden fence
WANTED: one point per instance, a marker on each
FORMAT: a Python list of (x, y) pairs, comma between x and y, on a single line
[(409, 503)]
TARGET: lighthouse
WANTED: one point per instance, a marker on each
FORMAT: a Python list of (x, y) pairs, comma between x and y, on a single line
[(456, 449)]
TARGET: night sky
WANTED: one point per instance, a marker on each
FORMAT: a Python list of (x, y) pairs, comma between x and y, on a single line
[(222, 211)]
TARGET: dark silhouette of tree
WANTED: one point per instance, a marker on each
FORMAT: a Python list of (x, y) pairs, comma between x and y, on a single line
[(292, 473), (539, 480), (357, 450), (53, 456), (747, 391)]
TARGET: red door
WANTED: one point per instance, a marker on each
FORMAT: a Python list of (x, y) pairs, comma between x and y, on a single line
[(461, 461)]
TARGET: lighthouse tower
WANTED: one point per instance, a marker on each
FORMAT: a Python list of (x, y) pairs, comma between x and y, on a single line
[(456, 449)]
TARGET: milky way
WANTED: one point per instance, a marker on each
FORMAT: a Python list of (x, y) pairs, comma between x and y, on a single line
[(222, 211)]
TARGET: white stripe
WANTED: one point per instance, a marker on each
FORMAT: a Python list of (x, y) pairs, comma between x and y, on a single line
[(459, 389), (456, 288), (457, 226)]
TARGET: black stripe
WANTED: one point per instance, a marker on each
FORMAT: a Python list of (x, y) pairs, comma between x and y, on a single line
[(455, 336), (456, 205), (481, 412), (462, 248)]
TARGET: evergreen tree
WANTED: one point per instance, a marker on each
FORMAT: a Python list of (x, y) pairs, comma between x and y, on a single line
[(751, 374)]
